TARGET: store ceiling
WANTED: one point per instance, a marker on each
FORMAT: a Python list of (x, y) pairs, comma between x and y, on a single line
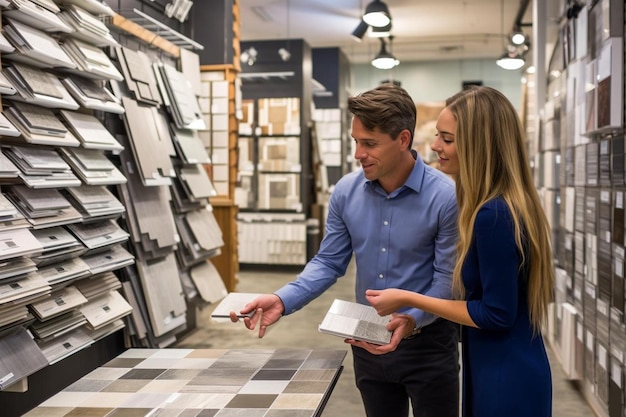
[(423, 30)]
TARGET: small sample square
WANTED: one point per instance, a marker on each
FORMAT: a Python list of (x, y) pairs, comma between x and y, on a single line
[(264, 387), (274, 374), (283, 364), (142, 374), (126, 385), (252, 401)]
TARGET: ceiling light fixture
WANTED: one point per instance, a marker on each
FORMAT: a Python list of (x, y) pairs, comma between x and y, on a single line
[(381, 32), (518, 37), (377, 14), (284, 53), (513, 57), (249, 56), (359, 31), (511, 61), (384, 59)]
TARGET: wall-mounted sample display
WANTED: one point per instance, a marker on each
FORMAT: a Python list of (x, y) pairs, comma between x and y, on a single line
[(41, 168), (179, 97), (39, 126), (90, 131), (90, 61), (43, 16), (90, 94), (86, 27), (138, 75), (20, 357), (38, 87), (35, 47)]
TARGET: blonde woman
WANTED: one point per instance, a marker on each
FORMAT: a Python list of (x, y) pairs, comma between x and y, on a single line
[(503, 279)]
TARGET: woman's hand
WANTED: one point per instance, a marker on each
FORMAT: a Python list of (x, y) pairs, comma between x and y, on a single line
[(386, 301)]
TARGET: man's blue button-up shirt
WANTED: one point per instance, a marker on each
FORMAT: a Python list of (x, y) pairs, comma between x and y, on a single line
[(405, 239)]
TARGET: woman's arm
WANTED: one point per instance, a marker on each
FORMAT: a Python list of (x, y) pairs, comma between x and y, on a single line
[(390, 300)]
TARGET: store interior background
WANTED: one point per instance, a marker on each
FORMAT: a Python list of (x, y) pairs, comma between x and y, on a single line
[(441, 44)]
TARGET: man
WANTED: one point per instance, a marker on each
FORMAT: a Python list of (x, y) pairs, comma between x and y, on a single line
[(398, 216)]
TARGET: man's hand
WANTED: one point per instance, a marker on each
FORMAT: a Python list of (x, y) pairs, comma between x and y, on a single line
[(401, 325), (267, 308)]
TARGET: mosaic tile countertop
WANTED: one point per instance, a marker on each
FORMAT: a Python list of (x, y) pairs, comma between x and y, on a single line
[(202, 383)]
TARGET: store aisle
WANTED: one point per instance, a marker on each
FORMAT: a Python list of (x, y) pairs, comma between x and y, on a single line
[(300, 331)]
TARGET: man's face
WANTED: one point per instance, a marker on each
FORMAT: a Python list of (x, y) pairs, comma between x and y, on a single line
[(377, 152)]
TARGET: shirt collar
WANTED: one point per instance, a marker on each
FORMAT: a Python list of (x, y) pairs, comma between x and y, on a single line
[(416, 177)]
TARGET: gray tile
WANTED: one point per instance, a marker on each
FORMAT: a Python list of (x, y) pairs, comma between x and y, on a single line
[(129, 412), (283, 364), (252, 401), (143, 374), (123, 362), (289, 413), (291, 354), (88, 385), (274, 374), (126, 385), (241, 412), (88, 412), (186, 374), (227, 376)]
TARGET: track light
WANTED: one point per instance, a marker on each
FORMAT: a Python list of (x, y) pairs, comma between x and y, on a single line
[(249, 56), (285, 55), (518, 37), (359, 31), (377, 14), (384, 60), (381, 32)]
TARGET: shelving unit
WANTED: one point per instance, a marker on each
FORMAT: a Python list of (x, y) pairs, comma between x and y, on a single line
[(275, 189), (169, 47), (223, 98), (580, 171)]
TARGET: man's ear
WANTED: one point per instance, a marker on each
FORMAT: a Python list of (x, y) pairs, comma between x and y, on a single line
[(405, 138)]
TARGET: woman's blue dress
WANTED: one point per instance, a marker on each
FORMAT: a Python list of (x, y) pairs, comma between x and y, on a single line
[(506, 372)]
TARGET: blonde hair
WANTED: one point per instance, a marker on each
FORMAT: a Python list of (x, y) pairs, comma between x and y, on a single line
[(493, 163)]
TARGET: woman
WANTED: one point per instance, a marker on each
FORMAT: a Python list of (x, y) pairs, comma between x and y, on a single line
[(503, 279)]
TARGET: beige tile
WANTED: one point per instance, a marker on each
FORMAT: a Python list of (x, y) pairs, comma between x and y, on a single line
[(147, 400), (156, 363), (264, 387), (200, 401), (130, 412), (137, 353), (126, 385), (89, 412), (177, 373), (164, 386), (207, 353), (105, 373), (171, 353), (314, 375), (298, 401), (193, 363), (109, 399), (213, 389), (69, 399), (308, 387), (48, 412)]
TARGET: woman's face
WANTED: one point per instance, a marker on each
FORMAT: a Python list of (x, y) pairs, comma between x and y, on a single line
[(444, 144)]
